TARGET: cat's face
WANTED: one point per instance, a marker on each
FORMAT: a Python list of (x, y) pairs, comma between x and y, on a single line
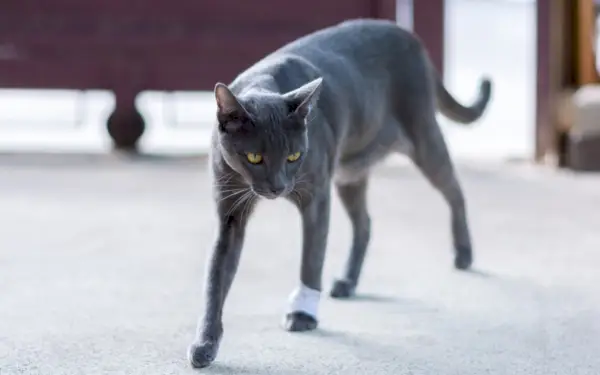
[(263, 137)]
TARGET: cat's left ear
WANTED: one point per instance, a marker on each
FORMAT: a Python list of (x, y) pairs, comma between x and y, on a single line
[(302, 100)]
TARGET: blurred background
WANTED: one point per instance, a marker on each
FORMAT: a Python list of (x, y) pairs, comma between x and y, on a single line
[(101, 256), (65, 67)]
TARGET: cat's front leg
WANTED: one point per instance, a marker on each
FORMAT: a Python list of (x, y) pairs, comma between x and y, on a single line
[(304, 301), (221, 271)]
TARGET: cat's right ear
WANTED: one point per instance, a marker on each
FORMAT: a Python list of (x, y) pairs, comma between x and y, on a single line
[(229, 109), (226, 100)]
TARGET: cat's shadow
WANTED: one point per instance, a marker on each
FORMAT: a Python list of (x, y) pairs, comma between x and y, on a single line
[(383, 298), (358, 344), (218, 368), (479, 273), (371, 297), (227, 369)]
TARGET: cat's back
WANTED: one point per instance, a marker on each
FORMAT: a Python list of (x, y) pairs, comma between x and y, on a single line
[(356, 43), (358, 39), (360, 57), (353, 51)]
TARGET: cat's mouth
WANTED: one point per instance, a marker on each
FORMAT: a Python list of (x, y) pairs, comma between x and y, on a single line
[(271, 192)]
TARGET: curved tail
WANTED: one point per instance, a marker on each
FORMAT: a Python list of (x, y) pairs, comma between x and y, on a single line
[(458, 112)]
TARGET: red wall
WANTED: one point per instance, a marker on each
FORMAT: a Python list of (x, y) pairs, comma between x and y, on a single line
[(165, 45)]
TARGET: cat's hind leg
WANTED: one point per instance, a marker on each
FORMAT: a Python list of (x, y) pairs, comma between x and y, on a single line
[(432, 158), (354, 199)]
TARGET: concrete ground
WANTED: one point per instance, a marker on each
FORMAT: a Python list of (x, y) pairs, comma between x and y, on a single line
[(101, 262)]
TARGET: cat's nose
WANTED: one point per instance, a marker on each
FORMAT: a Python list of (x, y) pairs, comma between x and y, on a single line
[(277, 190)]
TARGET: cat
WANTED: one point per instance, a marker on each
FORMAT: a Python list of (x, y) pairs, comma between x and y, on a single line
[(322, 111)]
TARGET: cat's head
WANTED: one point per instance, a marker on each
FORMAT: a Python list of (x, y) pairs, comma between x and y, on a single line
[(263, 135)]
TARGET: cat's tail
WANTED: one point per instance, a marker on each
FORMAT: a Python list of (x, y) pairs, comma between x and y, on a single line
[(457, 112)]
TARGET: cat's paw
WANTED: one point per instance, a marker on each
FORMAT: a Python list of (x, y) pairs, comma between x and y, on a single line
[(342, 288), (463, 259), (203, 353), (300, 322)]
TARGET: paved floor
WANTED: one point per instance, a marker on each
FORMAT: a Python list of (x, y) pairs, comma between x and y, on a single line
[(101, 262)]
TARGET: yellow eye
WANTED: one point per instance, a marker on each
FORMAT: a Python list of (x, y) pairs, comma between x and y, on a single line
[(293, 157), (254, 158)]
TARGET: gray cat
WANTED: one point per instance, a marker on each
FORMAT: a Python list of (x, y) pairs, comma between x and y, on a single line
[(324, 110)]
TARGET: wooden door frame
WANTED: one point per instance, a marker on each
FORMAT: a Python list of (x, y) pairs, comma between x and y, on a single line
[(565, 62)]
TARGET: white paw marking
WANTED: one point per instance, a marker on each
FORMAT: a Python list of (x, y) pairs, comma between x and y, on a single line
[(306, 300)]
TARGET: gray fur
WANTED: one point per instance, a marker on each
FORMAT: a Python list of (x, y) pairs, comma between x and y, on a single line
[(346, 97)]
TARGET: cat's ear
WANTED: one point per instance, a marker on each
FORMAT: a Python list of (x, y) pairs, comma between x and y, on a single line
[(226, 101), (229, 108), (302, 100)]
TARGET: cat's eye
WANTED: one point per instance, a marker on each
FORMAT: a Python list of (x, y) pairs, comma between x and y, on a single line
[(254, 158), (293, 157)]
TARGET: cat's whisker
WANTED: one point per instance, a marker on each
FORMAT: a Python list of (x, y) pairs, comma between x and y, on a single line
[(248, 203), (244, 204), (223, 180), (226, 175), (234, 205), (307, 186), (239, 201), (228, 190), (237, 188), (304, 180), (222, 193), (231, 195), (220, 183), (224, 185)]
